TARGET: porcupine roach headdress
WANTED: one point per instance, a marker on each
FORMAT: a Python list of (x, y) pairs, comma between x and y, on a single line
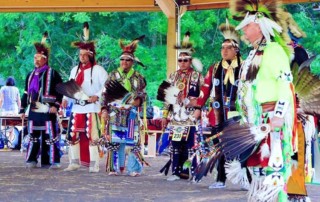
[(263, 12), (85, 44), (186, 47), (42, 47), (129, 49), (229, 33)]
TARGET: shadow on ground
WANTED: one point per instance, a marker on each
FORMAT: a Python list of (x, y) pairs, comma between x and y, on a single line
[(41, 184)]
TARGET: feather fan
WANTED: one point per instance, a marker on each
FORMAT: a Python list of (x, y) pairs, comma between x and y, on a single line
[(307, 87), (72, 90), (167, 93), (115, 91)]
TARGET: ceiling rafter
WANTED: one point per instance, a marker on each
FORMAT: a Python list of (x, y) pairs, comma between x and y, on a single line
[(112, 5)]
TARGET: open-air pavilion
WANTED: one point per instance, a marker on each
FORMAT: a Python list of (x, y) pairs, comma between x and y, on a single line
[(19, 184), (173, 9)]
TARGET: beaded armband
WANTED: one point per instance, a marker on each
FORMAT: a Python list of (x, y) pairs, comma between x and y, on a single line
[(281, 108)]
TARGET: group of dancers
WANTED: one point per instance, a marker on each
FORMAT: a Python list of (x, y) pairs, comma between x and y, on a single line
[(259, 108)]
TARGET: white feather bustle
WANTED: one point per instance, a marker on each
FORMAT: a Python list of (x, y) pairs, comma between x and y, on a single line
[(236, 174), (171, 95), (259, 192), (197, 64)]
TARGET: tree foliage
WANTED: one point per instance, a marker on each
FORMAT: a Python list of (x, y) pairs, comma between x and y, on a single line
[(18, 32)]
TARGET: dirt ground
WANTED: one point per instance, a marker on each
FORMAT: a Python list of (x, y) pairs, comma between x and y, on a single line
[(41, 184)]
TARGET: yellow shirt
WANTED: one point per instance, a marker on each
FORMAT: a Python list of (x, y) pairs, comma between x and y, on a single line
[(269, 86)]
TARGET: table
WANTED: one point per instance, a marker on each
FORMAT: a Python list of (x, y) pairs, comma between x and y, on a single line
[(13, 120)]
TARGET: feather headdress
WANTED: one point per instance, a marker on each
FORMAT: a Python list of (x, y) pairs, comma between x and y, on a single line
[(186, 47), (129, 49), (85, 44), (262, 12), (42, 47), (229, 32)]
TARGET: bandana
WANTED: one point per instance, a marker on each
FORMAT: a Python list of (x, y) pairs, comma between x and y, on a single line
[(80, 75), (126, 78), (230, 70), (34, 82)]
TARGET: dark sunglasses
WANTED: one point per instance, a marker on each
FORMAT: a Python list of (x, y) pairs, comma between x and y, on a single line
[(127, 60), (184, 60)]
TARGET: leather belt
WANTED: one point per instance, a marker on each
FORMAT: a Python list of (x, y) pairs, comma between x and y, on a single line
[(268, 106), (82, 102)]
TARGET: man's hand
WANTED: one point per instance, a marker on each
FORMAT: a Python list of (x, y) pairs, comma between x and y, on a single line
[(197, 114), (93, 99), (276, 122), (192, 102), (23, 116), (64, 104), (164, 123), (53, 110), (105, 115)]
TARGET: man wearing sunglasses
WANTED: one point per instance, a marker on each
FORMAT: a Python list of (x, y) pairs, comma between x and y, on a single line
[(183, 119), (121, 114)]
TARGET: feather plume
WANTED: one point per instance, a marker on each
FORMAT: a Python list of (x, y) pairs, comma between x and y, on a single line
[(72, 90), (240, 8), (44, 37), (132, 46), (186, 46), (229, 32), (86, 31), (197, 64), (85, 44), (42, 47)]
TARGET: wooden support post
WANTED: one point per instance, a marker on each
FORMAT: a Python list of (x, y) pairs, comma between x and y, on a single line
[(171, 42), (169, 8)]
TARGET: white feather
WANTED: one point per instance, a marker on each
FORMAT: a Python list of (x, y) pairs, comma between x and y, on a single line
[(197, 64), (236, 174), (171, 95), (258, 135), (81, 96), (41, 108), (265, 151)]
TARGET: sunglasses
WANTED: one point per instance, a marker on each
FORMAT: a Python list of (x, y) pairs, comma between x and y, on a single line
[(127, 60), (183, 60)]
